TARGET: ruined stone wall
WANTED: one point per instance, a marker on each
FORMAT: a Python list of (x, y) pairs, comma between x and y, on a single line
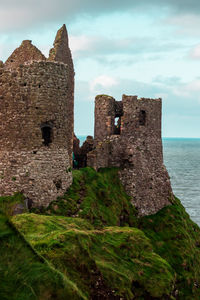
[(23, 54), (136, 150), (34, 109), (104, 117), (62, 53), (80, 153)]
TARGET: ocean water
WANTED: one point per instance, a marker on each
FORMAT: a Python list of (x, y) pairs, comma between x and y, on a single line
[(182, 160)]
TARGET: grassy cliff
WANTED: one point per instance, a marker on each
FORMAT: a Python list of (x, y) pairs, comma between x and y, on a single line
[(90, 244), (111, 261), (24, 274)]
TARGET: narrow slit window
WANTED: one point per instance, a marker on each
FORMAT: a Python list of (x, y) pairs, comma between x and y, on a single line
[(46, 135), (142, 117), (117, 125)]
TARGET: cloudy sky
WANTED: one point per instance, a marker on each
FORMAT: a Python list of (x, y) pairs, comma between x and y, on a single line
[(149, 48)]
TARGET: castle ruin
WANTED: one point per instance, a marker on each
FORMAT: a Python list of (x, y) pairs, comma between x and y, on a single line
[(127, 135), (37, 120), (37, 139)]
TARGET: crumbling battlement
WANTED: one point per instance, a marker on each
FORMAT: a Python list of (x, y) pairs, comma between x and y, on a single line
[(37, 122), (128, 136)]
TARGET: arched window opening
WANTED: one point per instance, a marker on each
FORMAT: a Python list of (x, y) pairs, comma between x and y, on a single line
[(142, 117), (117, 125), (47, 134)]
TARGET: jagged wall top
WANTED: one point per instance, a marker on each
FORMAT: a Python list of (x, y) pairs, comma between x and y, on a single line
[(28, 53), (24, 54), (61, 51), (128, 136)]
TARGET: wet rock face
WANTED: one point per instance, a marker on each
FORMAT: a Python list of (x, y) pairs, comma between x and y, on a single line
[(128, 136), (36, 125)]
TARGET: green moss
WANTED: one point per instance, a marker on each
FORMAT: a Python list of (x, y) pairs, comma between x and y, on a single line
[(157, 260), (9, 203), (177, 239), (121, 257), (25, 275), (98, 197), (35, 224), (104, 95)]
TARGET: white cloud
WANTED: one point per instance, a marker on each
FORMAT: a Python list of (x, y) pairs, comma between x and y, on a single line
[(80, 44), (102, 83)]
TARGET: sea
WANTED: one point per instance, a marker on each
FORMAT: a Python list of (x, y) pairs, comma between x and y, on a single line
[(182, 160)]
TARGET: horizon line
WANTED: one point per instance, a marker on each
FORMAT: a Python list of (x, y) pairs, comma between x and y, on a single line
[(163, 137)]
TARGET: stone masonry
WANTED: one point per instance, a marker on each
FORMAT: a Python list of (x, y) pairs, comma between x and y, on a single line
[(37, 139), (36, 121), (128, 136)]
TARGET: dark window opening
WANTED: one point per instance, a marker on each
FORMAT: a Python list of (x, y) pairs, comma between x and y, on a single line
[(58, 184), (117, 125), (142, 117), (46, 135)]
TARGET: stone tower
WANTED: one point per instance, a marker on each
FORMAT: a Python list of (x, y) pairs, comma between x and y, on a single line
[(128, 136), (36, 116)]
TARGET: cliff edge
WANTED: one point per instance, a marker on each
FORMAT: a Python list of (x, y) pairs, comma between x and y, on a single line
[(94, 238)]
